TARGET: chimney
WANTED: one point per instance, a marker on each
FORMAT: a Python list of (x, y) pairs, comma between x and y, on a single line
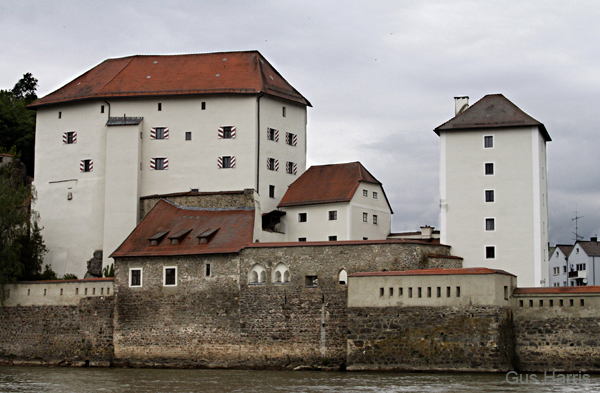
[(594, 239), (426, 232), (460, 104)]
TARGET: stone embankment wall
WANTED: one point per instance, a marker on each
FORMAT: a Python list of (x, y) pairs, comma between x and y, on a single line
[(79, 334), (430, 338), (224, 320), (559, 332)]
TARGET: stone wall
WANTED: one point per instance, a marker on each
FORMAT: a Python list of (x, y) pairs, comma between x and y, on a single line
[(430, 338), (226, 321), (58, 335), (223, 199)]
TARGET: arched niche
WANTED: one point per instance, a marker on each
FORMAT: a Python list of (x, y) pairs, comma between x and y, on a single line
[(343, 277), (257, 274), (281, 274)]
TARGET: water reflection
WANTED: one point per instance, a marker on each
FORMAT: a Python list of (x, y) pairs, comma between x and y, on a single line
[(49, 380)]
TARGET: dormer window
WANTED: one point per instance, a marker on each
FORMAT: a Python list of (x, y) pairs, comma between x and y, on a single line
[(178, 237), (156, 239), (204, 237)]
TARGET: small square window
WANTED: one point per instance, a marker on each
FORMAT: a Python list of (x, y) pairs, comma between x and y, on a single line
[(160, 133), (135, 277), (489, 168), (365, 193), (333, 215), (374, 195), (311, 281), (159, 164), (365, 217), (188, 135), (227, 134), (301, 239), (170, 276), (374, 219), (332, 238), (302, 217), (489, 195), (227, 162), (203, 105), (490, 252), (488, 141), (271, 191), (490, 224)]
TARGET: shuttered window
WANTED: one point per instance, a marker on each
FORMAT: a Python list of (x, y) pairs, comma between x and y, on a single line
[(86, 165), (159, 163), (291, 139), (226, 162), (226, 132), (159, 133)]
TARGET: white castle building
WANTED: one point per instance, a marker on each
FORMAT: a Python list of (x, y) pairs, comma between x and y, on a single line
[(493, 189)]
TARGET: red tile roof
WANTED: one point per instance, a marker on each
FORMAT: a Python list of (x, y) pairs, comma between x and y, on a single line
[(436, 272), (235, 231), (328, 184), (492, 111), (192, 193), (558, 290), (206, 73), (345, 243)]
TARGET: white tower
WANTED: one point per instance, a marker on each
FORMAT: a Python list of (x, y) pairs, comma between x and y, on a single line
[(493, 188)]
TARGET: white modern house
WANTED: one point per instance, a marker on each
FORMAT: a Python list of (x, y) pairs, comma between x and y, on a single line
[(493, 190), (335, 202), (584, 263), (558, 266), (144, 125)]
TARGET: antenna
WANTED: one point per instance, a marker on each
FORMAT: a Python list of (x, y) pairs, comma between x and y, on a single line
[(577, 237)]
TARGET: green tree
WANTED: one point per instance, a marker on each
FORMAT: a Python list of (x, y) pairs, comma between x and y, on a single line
[(17, 123)]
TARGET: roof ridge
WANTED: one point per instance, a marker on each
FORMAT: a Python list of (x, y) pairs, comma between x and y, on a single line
[(183, 54)]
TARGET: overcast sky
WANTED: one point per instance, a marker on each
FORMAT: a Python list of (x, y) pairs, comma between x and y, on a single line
[(381, 75)]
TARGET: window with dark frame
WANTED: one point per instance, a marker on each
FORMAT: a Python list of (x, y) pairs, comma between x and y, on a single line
[(374, 195), (289, 167), (87, 166), (301, 239), (490, 252), (271, 164), (302, 217), (136, 278), (160, 133), (489, 168), (271, 134), (101, 108), (226, 161), (311, 281), (170, 276), (490, 224), (489, 195), (332, 238), (227, 132), (332, 215), (159, 164), (271, 191), (488, 141), (70, 137), (365, 193), (289, 138), (374, 219), (160, 106), (188, 135), (283, 112), (207, 270), (365, 217), (203, 105)]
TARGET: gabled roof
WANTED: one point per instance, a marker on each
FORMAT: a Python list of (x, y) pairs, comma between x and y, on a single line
[(171, 75), (328, 184), (565, 248), (235, 231), (590, 248), (436, 272), (492, 111)]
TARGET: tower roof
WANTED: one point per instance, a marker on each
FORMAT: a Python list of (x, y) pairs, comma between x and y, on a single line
[(175, 75), (328, 184), (492, 111)]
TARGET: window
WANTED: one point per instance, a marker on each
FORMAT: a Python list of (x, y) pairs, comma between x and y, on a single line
[(160, 106), (343, 277), (271, 191), (581, 302), (580, 266), (381, 291), (159, 163), (457, 291), (86, 165), (551, 302), (374, 195), (374, 219), (291, 167), (135, 277), (273, 134), (311, 281), (488, 141), (101, 108), (564, 269), (281, 274), (489, 168), (505, 292), (69, 138), (301, 239), (302, 217), (188, 135), (530, 303), (489, 195), (333, 215), (419, 292), (490, 252), (257, 275), (561, 303), (520, 303), (159, 133), (439, 291), (203, 105), (226, 132), (170, 276), (541, 303), (570, 302), (332, 238), (448, 291), (410, 292), (60, 115), (428, 291), (226, 162), (291, 139), (490, 224), (366, 193), (400, 292), (365, 217), (272, 164), (283, 111), (391, 291), (556, 270)]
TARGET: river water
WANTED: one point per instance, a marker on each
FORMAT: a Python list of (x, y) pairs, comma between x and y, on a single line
[(83, 380)]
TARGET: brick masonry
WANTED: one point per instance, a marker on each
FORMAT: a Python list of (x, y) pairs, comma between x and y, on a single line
[(58, 335)]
